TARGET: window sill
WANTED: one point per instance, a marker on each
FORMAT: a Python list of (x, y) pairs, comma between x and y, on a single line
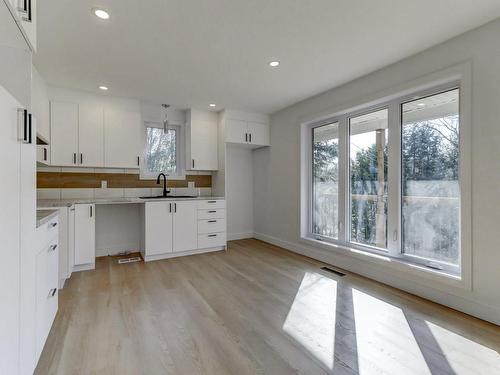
[(396, 264)]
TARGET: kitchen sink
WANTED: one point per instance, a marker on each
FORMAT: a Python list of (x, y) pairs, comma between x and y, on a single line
[(169, 196)]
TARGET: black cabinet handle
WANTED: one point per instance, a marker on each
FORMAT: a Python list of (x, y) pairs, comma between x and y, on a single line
[(44, 154), (212, 221), (25, 126), (30, 128), (175, 207), (53, 292), (53, 225), (29, 11), (246, 137), (91, 211), (53, 248), (193, 163), (250, 137), (211, 201), (74, 158), (212, 235), (170, 207), (81, 158), (138, 161), (212, 212)]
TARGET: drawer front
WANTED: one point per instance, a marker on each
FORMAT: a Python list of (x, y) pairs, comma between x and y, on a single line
[(216, 213), (206, 241), (211, 226), (209, 204), (47, 232)]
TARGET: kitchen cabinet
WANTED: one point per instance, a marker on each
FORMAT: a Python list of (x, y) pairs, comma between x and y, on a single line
[(25, 16), (123, 139), (251, 133), (91, 136), (63, 133), (158, 228), (43, 154), (201, 140), (76, 134), (47, 264), (84, 237), (184, 226)]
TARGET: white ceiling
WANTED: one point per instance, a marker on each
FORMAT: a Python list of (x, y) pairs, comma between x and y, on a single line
[(192, 53)]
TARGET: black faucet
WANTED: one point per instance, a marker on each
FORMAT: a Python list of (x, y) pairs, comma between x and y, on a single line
[(165, 191)]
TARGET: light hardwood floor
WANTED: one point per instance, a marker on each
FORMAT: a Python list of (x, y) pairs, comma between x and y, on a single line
[(255, 309)]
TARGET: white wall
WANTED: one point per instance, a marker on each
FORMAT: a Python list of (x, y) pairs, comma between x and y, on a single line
[(277, 170), (239, 192)]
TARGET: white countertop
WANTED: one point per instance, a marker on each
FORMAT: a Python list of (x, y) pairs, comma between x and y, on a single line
[(48, 203)]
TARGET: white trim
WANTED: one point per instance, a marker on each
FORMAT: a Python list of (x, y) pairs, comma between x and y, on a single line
[(152, 258), (84, 267), (239, 236), (460, 73), (439, 289)]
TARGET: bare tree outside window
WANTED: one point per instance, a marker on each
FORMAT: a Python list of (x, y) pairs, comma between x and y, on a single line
[(161, 150)]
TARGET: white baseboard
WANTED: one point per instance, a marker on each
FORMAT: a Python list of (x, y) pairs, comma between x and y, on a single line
[(239, 236), (151, 258), (381, 274), (84, 267)]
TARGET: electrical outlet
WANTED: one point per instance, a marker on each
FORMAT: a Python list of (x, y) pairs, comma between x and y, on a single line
[(104, 184), (191, 184)]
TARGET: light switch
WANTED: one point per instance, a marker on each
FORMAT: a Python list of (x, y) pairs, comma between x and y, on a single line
[(191, 184), (104, 184)]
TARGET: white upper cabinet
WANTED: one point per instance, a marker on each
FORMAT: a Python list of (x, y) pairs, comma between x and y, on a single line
[(25, 11), (251, 130), (91, 136), (123, 135), (201, 141), (63, 133)]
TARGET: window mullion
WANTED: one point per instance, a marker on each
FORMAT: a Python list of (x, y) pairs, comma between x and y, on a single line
[(394, 180), (343, 181)]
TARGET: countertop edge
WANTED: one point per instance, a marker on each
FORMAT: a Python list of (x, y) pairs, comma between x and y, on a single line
[(54, 203)]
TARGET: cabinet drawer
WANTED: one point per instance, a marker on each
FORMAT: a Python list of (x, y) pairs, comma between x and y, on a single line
[(206, 241), (211, 226), (47, 232), (209, 204), (217, 213)]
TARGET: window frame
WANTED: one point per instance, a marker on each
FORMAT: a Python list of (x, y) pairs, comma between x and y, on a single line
[(179, 142), (394, 105)]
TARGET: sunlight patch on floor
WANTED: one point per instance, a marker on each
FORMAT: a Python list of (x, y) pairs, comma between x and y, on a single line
[(311, 319), (385, 342)]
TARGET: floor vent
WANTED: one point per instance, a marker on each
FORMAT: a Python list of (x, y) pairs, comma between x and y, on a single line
[(333, 271), (129, 260)]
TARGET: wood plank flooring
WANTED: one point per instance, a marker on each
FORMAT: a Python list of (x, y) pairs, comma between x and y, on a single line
[(255, 309)]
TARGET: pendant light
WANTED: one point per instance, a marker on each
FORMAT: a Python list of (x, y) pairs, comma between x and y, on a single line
[(165, 121)]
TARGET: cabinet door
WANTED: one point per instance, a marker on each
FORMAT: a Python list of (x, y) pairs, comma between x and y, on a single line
[(84, 234), (259, 134), (203, 136), (236, 131), (9, 233), (71, 240), (91, 136), (123, 133), (158, 228), (28, 21), (63, 133), (185, 229)]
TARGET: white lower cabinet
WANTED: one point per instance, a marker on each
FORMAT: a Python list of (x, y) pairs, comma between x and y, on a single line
[(84, 237), (173, 228)]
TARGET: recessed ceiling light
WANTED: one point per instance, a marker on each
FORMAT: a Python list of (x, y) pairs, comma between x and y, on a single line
[(100, 13), (103, 88), (213, 105), (274, 64)]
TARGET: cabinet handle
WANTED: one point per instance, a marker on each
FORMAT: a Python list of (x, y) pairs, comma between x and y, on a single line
[(212, 235), (44, 154), (211, 201), (25, 135), (138, 161), (212, 221), (212, 212), (91, 211), (53, 292), (22, 125), (170, 207), (246, 137), (74, 158), (193, 163), (30, 128), (53, 248), (175, 207), (29, 11), (250, 137), (81, 158), (53, 225)]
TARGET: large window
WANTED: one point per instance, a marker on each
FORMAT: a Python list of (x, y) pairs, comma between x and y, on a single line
[(161, 153), (387, 179), (430, 170)]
